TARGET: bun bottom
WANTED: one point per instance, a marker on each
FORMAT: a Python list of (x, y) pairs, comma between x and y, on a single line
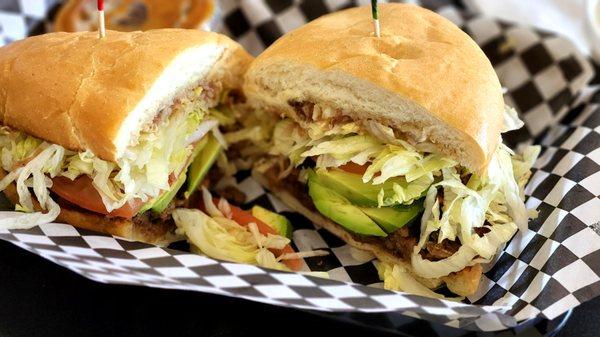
[(159, 233), (463, 283)]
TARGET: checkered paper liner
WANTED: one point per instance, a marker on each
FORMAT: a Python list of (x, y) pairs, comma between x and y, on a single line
[(549, 269)]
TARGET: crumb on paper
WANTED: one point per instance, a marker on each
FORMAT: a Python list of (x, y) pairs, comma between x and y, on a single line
[(507, 45)]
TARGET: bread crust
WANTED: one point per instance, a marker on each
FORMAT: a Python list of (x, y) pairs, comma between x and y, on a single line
[(75, 90), (463, 283), (423, 65)]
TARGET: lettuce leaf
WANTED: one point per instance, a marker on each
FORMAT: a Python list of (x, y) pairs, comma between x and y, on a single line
[(404, 193), (511, 120), (222, 238), (142, 173), (33, 174), (396, 278)]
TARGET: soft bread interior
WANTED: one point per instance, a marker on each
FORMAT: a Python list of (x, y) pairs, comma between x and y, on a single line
[(276, 86), (189, 67)]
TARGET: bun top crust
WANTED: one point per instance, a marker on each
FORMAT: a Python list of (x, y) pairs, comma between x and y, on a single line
[(86, 93), (424, 77)]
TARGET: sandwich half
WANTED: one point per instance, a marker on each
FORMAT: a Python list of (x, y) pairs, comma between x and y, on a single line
[(106, 132), (393, 143)]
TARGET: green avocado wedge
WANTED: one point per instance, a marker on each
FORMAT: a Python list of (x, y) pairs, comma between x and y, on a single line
[(394, 218), (351, 186), (203, 161), (204, 155), (278, 222), (163, 201), (339, 209), (160, 203)]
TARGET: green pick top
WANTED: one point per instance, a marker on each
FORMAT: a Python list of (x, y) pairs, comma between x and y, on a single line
[(374, 9)]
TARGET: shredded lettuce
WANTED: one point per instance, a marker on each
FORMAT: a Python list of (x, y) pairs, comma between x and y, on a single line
[(522, 163), (405, 193), (289, 140), (222, 238), (218, 236), (225, 116), (255, 127), (339, 151), (399, 159), (33, 174), (336, 145), (495, 200), (142, 173), (396, 278), (511, 120), (253, 134)]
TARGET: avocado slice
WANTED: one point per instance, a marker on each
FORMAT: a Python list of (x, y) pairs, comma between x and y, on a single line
[(351, 186), (340, 210), (161, 202), (164, 199), (393, 218), (207, 155), (278, 222)]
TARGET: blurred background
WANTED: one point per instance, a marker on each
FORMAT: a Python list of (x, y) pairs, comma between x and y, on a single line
[(579, 20)]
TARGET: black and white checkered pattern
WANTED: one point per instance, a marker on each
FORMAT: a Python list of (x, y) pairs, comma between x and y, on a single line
[(107, 259), (258, 23), (20, 18), (544, 272)]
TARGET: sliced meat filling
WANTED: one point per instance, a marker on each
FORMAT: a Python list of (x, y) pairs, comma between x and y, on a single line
[(435, 251), (205, 94), (400, 242), (211, 93), (308, 111), (303, 110), (147, 218)]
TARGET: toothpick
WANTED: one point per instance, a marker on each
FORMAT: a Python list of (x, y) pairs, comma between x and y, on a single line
[(101, 26), (375, 12)]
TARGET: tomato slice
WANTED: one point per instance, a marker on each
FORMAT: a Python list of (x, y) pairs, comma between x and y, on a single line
[(244, 218), (82, 193), (351, 167)]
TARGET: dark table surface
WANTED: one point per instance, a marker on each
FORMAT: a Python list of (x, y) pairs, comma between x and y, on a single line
[(39, 298)]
